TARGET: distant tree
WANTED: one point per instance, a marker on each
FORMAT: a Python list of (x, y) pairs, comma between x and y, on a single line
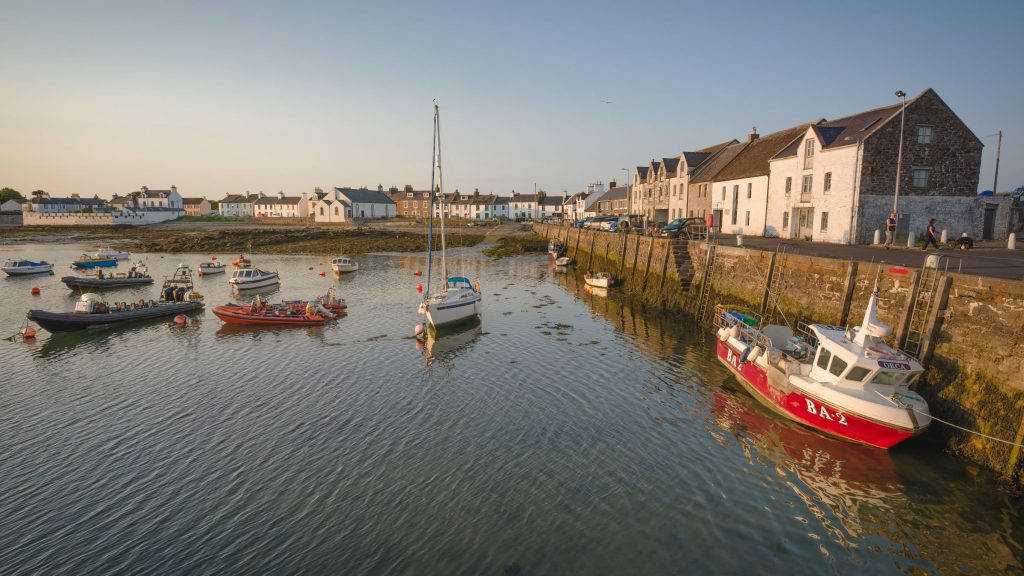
[(10, 194), (87, 210)]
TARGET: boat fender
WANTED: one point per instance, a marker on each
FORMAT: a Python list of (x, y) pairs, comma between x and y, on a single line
[(476, 285), (734, 332), (755, 353), (723, 334), (739, 346), (745, 356)]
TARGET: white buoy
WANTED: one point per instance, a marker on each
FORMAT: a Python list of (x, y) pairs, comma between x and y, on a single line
[(418, 330), (739, 239), (1012, 242), (878, 237), (910, 239), (943, 236)]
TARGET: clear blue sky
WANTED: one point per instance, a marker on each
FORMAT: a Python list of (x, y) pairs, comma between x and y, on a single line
[(223, 97)]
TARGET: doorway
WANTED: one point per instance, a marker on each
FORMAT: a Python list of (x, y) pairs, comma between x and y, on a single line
[(804, 223), (988, 231)]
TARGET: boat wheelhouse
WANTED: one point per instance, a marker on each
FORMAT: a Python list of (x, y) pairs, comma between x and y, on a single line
[(344, 265), (846, 382)]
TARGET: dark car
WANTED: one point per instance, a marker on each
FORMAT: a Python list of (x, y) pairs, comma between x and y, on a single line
[(678, 225)]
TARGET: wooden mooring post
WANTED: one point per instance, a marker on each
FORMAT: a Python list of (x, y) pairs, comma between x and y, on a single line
[(908, 309)]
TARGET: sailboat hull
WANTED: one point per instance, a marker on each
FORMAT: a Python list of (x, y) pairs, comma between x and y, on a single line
[(451, 310)]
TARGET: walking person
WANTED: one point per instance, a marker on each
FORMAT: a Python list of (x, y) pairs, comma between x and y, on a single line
[(929, 236), (890, 229)]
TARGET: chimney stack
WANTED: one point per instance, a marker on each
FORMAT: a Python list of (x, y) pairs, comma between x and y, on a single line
[(753, 134)]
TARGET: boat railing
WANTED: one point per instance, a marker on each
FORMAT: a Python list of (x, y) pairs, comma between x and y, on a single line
[(725, 318), (804, 331)]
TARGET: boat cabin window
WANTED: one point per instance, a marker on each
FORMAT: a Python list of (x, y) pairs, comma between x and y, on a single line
[(857, 373), (823, 357), (889, 378), (838, 366)]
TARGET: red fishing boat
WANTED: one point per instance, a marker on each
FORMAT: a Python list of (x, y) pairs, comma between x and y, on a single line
[(845, 382)]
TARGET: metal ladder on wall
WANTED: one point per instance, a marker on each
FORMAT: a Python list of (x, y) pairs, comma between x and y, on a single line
[(704, 298), (776, 285), (926, 288)]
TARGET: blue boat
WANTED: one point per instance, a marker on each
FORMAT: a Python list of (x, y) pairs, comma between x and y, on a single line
[(85, 261)]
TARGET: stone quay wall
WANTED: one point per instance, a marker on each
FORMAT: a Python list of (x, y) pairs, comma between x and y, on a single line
[(973, 343)]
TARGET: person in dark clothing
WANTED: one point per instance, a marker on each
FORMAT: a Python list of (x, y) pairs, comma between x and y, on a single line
[(930, 236), (890, 230)]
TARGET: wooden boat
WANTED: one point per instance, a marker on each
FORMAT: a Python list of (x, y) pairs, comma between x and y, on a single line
[(258, 313), (177, 297), (211, 267), (24, 267), (458, 299), (599, 279), (111, 253), (138, 275), (344, 265), (251, 278), (86, 261), (845, 382)]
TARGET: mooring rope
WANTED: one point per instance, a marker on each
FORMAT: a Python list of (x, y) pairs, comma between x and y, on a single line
[(896, 401)]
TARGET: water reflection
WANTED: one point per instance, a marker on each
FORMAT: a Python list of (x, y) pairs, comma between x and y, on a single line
[(447, 343)]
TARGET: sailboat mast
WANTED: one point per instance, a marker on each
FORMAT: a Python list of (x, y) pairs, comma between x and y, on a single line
[(430, 214), (440, 183)]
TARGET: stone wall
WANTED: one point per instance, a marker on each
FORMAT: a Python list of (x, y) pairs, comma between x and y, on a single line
[(975, 377), (100, 218)]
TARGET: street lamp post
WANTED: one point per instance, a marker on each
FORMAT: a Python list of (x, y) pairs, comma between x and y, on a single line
[(629, 193), (899, 156)]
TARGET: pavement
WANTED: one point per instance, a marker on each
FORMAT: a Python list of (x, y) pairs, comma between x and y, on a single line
[(991, 261)]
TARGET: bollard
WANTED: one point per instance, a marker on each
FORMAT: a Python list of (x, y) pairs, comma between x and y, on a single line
[(943, 237), (878, 237), (1012, 242), (910, 239), (739, 239)]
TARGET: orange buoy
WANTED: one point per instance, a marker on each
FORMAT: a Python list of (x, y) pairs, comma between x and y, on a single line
[(213, 257), (35, 291), (418, 273), (418, 330), (419, 288), (28, 332), (180, 320), (323, 273)]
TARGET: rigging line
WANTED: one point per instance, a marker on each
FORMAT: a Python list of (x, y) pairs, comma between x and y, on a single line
[(430, 219), (895, 400)]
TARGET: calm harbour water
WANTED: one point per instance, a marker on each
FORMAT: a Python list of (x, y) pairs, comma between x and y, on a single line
[(568, 433)]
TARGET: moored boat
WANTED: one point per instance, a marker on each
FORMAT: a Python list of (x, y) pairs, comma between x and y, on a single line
[(25, 267), (599, 279), (211, 267), (138, 275), (845, 382), (251, 278), (177, 297), (563, 261), (344, 265), (86, 261), (285, 314), (111, 253)]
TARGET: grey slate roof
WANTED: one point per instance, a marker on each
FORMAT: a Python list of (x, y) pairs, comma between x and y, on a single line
[(364, 196), (617, 193), (711, 167)]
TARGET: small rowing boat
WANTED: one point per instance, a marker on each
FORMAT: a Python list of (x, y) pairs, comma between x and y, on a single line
[(599, 279)]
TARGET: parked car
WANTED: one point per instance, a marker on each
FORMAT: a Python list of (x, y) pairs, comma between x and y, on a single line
[(677, 226)]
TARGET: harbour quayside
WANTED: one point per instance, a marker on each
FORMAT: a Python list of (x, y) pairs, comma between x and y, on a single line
[(176, 297), (845, 382), (458, 299)]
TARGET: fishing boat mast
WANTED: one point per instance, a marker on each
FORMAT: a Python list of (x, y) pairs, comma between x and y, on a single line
[(440, 185)]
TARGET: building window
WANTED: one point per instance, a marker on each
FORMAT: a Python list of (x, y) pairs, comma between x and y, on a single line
[(824, 221), (789, 184), (785, 220), (808, 182), (335, 210), (321, 210), (750, 187), (921, 177), (748, 218), (828, 181), (924, 134), (808, 153)]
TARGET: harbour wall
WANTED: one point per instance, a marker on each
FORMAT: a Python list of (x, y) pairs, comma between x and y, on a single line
[(970, 328)]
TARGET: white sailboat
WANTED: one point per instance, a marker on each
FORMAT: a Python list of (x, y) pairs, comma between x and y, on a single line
[(459, 298)]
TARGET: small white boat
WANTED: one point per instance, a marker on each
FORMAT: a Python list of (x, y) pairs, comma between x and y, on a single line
[(599, 279), (562, 261), (211, 267), (344, 264), (111, 253), (23, 267), (460, 300), (251, 278)]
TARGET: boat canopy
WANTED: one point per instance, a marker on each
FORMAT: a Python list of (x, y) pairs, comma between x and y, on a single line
[(456, 280)]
